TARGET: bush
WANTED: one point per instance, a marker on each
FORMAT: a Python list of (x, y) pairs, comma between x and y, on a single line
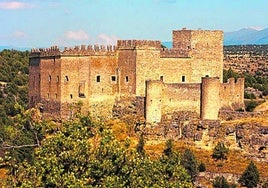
[(202, 167), (220, 151), (220, 182), (251, 105)]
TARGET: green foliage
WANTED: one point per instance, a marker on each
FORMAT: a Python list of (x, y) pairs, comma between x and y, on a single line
[(83, 153), (230, 74), (202, 167), (250, 178), (190, 163), (140, 146), (255, 81), (251, 105), (220, 151), (169, 148), (13, 83), (221, 182), (249, 95)]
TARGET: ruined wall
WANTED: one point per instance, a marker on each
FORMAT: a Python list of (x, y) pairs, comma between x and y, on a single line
[(232, 94)]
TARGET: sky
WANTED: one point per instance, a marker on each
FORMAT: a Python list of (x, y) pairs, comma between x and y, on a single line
[(44, 23)]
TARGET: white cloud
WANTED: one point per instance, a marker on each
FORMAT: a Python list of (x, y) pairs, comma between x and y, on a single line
[(14, 5), (19, 34), (79, 35), (106, 39)]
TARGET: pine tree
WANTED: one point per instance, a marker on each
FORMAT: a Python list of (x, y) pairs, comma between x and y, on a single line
[(190, 163), (250, 178)]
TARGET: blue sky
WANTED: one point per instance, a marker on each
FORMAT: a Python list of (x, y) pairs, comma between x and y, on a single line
[(43, 23)]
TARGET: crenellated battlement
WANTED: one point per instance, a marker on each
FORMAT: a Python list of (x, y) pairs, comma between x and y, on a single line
[(42, 52), (90, 50), (138, 44), (174, 53)]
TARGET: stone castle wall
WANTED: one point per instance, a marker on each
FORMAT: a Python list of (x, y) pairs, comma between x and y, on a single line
[(205, 99), (98, 76)]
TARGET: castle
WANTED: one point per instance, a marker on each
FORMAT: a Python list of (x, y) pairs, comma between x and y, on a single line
[(188, 77)]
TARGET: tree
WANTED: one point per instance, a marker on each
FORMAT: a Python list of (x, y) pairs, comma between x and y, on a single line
[(83, 153), (220, 151), (250, 178), (169, 148), (140, 146), (190, 163)]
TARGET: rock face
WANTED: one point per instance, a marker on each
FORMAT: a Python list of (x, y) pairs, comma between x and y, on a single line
[(252, 137)]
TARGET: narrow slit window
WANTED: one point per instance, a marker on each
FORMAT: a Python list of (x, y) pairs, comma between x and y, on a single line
[(113, 78), (127, 79), (71, 96), (183, 78), (58, 79), (162, 78), (98, 78), (49, 78), (66, 78)]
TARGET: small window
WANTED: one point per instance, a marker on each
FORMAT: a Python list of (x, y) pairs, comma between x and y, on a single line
[(71, 96), (58, 79), (126, 78), (49, 78), (113, 78), (98, 78), (207, 75), (66, 78), (56, 96), (48, 95), (183, 78), (162, 78)]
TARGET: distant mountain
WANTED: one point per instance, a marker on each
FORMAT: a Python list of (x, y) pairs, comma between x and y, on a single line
[(246, 36)]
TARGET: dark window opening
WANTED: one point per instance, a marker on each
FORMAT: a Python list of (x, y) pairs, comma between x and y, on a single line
[(162, 78), (49, 78), (113, 78), (183, 78), (81, 90), (71, 96), (98, 78), (58, 79), (48, 95), (56, 96), (126, 78), (207, 75), (66, 78)]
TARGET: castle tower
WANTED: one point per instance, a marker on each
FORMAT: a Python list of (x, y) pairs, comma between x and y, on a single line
[(154, 90), (205, 47), (210, 98)]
